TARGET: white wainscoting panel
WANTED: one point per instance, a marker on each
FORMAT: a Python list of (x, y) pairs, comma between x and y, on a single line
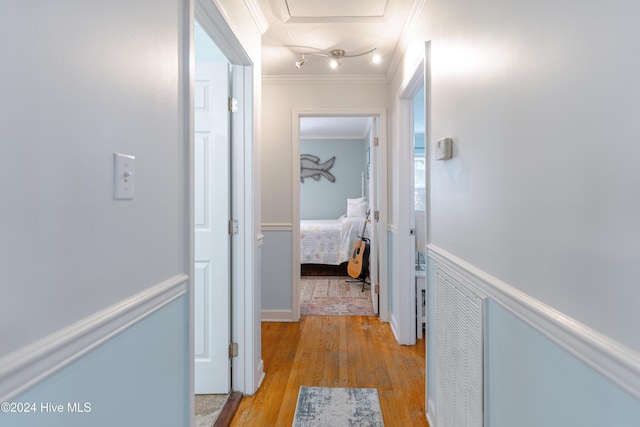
[(459, 359), (34, 363), (616, 362)]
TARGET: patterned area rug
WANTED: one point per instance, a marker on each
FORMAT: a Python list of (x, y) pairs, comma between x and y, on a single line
[(333, 407), (208, 407), (334, 295)]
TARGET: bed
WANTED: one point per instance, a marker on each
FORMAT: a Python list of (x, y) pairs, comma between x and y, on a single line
[(329, 241)]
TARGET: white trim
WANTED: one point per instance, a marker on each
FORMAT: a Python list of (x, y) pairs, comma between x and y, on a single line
[(616, 362), (393, 323), (405, 271), (258, 15), (278, 316), (277, 226), (431, 410), (187, 77), (381, 115), (34, 363), (295, 215), (214, 19), (259, 374), (405, 37), (331, 79)]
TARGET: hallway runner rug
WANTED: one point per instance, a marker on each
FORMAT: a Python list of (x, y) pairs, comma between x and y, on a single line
[(334, 295), (334, 407)]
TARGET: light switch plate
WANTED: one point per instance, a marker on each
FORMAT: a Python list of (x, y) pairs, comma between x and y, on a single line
[(443, 149), (123, 176)]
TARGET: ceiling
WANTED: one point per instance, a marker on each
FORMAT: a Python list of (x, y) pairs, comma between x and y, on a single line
[(355, 26)]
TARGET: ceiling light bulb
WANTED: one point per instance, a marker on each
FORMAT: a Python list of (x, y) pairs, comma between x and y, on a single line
[(300, 62), (375, 58), (334, 63)]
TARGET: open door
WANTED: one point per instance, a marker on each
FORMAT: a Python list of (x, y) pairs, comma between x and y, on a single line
[(212, 212)]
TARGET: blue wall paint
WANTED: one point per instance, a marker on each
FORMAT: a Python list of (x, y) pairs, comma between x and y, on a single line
[(328, 200), (276, 270), (138, 378), (531, 381)]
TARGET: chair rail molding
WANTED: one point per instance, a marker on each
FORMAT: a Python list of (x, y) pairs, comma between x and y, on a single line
[(277, 226), (34, 363), (611, 359)]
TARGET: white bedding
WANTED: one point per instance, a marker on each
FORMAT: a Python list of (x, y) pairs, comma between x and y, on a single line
[(329, 241)]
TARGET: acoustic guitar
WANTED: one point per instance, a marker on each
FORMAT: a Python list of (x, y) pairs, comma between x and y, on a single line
[(358, 266)]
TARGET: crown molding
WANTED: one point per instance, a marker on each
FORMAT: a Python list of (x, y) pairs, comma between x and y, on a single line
[(350, 79), (258, 15), (410, 25)]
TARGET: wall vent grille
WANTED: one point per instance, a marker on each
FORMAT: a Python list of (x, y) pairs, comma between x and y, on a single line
[(458, 353)]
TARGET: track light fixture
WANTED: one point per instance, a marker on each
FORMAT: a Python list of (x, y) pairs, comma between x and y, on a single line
[(334, 55), (300, 62)]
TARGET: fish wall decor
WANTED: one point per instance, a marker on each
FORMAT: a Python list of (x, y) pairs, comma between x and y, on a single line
[(310, 167)]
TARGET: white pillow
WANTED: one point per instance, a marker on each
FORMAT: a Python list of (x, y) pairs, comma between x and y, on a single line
[(357, 208)]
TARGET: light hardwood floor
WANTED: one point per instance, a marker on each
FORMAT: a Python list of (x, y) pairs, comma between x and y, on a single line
[(336, 351)]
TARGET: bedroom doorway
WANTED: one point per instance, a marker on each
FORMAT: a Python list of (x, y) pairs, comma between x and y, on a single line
[(338, 183)]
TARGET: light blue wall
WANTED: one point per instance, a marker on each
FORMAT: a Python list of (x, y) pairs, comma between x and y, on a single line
[(328, 200), (531, 382), (138, 378), (276, 270)]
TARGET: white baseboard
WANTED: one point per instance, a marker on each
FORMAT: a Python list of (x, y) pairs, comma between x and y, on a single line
[(393, 322), (259, 375), (431, 420), (35, 362), (616, 362), (277, 316)]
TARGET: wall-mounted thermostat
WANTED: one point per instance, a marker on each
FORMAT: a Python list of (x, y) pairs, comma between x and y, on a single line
[(443, 149)]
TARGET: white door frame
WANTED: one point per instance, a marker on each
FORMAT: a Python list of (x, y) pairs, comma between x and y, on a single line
[(406, 291), (381, 115), (244, 377)]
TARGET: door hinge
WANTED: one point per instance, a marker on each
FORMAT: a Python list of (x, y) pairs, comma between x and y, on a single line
[(233, 350), (376, 289), (233, 227), (376, 215), (233, 105), (376, 141)]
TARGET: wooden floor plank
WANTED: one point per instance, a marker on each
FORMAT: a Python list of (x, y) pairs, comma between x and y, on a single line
[(336, 351)]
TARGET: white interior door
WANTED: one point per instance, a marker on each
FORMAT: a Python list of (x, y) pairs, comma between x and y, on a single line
[(212, 213), (374, 203)]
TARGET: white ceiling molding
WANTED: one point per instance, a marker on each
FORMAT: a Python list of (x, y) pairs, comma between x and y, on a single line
[(347, 79), (336, 8), (258, 15), (405, 36), (279, 9)]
